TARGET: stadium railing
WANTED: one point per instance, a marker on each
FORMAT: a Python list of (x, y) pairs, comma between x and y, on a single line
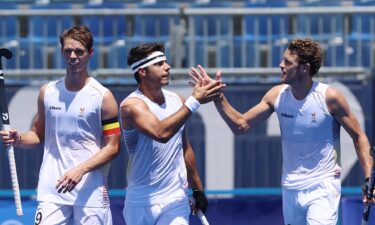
[(229, 50)]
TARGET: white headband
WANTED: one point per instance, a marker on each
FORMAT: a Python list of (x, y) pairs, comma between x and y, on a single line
[(149, 60)]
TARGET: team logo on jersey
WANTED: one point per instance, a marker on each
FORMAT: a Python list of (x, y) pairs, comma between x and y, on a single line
[(81, 111), (313, 118)]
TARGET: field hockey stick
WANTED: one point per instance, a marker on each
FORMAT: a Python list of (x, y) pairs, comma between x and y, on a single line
[(370, 190), (6, 126), (200, 214), (202, 217)]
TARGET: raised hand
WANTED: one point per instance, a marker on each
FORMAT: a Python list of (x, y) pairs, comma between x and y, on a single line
[(209, 92), (206, 79)]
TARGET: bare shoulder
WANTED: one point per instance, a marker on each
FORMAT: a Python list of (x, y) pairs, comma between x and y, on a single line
[(132, 105), (128, 102), (108, 94), (334, 97), (272, 94), (332, 93), (336, 102), (42, 90), (109, 100), (276, 89)]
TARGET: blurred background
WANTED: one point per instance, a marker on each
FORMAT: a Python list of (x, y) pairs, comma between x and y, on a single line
[(245, 39)]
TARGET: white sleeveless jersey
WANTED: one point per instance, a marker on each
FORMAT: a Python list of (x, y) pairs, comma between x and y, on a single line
[(310, 138), (73, 134), (156, 171)]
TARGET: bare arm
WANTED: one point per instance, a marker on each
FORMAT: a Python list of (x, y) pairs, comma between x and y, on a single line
[(108, 152), (238, 122), (241, 123), (339, 108), (135, 114)]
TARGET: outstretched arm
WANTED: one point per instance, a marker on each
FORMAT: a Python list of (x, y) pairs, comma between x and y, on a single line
[(238, 122), (241, 123)]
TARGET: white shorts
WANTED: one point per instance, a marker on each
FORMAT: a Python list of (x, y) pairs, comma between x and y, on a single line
[(316, 205), (48, 213), (176, 213)]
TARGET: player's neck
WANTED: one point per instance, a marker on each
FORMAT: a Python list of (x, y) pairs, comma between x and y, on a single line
[(154, 94), (302, 89), (75, 82)]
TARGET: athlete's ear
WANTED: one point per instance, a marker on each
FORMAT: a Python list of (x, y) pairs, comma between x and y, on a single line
[(142, 72), (305, 67)]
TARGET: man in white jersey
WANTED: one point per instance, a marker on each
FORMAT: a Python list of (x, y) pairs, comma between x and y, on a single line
[(310, 114), (161, 160), (77, 121)]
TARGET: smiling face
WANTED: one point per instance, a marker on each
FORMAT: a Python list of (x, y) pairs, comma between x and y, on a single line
[(76, 56)]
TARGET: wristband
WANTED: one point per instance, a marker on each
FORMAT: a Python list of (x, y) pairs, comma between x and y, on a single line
[(192, 104)]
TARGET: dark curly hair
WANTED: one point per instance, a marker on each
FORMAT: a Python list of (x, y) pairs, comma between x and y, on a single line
[(308, 51)]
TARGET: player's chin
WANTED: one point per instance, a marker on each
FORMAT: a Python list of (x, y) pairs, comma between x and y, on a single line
[(165, 81), (75, 68), (284, 79)]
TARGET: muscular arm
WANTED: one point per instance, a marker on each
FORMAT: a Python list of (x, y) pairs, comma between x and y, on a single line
[(339, 108), (108, 152), (241, 123), (238, 122), (135, 114), (112, 142)]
